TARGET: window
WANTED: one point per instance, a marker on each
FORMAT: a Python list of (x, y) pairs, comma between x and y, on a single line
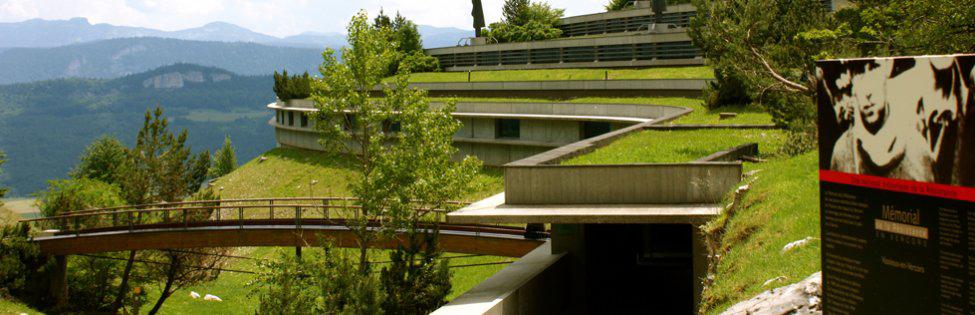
[(304, 120), (349, 122), (507, 129), (594, 128), (279, 115), (291, 118), (391, 126)]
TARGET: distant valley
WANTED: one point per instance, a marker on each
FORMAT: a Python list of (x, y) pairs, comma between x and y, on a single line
[(44, 126)]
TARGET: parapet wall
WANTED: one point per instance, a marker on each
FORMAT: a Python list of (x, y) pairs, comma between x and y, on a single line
[(687, 183)]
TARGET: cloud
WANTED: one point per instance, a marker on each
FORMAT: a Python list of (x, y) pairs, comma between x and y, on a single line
[(275, 17)]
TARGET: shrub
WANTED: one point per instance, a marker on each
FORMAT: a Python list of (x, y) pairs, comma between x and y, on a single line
[(726, 89), (21, 264), (526, 21), (77, 194), (292, 87), (616, 5), (102, 160), (419, 62), (225, 161)]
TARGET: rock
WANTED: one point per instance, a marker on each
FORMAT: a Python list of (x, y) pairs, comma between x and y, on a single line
[(797, 244), (211, 297), (803, 297), (194, 295)]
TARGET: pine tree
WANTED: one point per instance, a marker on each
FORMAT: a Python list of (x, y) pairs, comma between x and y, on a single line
[(225, 160)]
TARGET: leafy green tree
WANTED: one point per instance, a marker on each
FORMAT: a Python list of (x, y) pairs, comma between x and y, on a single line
[(77, 194), (526, 21), (225, 160), (102, 160), (910, 27), (22, 264), (409, 55), (326, 283), (769, 48), (393, 167), (616, 5)]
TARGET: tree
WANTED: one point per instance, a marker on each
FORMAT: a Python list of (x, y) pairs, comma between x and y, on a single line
[(417, 281), (513, 11), (616, 5), (393, 166), (405, 39), (326, 283), (102, 160), (91, 278), (3, 190), (225, 160), (158, 168), (184, 269), (772, 46), (527, 21), (22, 264)]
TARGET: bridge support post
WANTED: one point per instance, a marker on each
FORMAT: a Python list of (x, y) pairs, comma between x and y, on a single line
[(59, 282)]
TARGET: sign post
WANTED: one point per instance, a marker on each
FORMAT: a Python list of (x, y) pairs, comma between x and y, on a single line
[(897, 184)]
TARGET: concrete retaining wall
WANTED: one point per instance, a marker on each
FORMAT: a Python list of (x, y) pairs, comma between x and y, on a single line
[(538, 283), (688, 183)]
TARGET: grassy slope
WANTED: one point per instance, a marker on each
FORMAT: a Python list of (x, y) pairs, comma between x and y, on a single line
[(782, 207), (701, 72), (15, 308), (288, 173), (658, 146)]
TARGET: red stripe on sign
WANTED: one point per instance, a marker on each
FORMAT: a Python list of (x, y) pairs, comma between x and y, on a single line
[(899, 185)]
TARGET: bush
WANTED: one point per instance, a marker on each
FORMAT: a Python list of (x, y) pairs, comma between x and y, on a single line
[(726, 89), (78, 194), (102, 160), (418, 62), (525, 21), (418, 280), (292, 87), (21, 264), (225, 161)]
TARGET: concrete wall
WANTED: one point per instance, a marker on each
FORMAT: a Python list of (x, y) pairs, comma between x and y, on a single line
[(688, 183), (543, 126), (538, 283), (691, 87)]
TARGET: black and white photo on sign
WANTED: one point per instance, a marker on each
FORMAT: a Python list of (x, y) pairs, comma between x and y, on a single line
[(901, 118)]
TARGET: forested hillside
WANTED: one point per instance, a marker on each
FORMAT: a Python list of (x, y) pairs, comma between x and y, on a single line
[(44, 126), (119, 57)]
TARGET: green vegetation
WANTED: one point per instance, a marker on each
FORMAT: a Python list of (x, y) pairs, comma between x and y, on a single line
[(781, 207), (524, 20), (224, 161), (666, 146), (8, 307), (407, 45), (290, 87), (699, 72)]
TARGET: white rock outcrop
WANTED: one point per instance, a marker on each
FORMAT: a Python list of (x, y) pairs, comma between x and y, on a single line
[(800, 298)]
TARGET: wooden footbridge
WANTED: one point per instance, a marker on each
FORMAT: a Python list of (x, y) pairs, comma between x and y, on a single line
[(291, 222)]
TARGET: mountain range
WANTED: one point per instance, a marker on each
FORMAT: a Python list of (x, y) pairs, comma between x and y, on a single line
[(45, 125), (37, 33), (36, 50), (114, 58)]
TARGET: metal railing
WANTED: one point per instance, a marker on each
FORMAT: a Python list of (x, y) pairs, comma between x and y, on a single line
[(296, 212)]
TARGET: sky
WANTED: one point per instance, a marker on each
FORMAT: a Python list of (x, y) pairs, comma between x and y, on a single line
[(274, 17)]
